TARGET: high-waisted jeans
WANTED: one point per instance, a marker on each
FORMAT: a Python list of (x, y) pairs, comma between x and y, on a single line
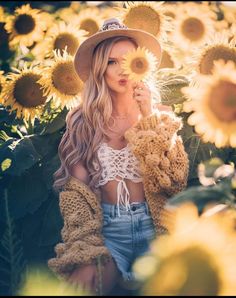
[(127, 236)]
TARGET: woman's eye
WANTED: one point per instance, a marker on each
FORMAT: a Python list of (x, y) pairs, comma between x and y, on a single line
[(111, 62)]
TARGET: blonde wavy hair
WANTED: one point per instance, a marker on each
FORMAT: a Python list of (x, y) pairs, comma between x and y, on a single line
[(85, 124)]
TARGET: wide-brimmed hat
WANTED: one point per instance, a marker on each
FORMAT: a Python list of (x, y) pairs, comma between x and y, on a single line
[(112, 28)]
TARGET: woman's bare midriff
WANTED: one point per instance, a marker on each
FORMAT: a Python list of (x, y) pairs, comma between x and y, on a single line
[(109, 192)]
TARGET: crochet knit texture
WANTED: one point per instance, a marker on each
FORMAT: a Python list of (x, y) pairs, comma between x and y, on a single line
[(163, 161), (81, 234)]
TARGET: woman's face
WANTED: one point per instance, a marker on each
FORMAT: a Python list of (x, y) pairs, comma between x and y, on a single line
[(118, 82)]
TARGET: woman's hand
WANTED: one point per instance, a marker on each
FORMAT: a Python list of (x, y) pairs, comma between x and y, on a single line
[(85, 277), (142, 95), (162, 107)]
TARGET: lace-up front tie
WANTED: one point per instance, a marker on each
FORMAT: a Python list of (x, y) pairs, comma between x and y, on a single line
[(119, 165)]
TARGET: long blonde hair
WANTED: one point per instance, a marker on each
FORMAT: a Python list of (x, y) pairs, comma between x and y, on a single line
[(85, 124)]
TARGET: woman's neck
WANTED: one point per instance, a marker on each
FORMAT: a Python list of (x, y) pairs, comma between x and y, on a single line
[(124, 105)]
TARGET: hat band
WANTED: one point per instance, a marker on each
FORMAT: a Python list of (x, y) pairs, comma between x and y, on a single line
[(112, 26)]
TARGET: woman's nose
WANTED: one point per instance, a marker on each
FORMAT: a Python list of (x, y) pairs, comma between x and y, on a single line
[(120, 69)]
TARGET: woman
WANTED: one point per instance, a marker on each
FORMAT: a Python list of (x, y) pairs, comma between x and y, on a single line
[(120, 162)]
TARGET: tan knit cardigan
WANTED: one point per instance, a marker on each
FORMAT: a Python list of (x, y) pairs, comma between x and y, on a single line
[(164, 166)]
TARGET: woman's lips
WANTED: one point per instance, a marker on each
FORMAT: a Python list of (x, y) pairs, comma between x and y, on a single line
[(122, 82)]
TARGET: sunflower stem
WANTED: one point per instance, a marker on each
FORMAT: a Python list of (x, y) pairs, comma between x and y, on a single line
[(30, 127)]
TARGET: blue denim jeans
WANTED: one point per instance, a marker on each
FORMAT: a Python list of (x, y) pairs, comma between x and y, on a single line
[(127, 236)]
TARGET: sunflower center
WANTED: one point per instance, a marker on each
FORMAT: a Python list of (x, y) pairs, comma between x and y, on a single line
[(166, 60), (89, 25), (66, 39), (215, 53), (28, 92), (0, 87), (193, 29), (139, 65), (144, 18), (222, 101), (24, 24), (65, 79)]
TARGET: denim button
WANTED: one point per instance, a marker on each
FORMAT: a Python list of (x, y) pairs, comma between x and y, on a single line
[(133, 208)]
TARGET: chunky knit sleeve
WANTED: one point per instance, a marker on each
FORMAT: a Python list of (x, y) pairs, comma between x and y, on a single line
[(163, 161), (81, 233)]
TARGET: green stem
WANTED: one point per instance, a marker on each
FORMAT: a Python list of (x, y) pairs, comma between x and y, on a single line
[(9, 230), (31, 126)]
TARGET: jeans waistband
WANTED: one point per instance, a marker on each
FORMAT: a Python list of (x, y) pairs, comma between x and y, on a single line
[(135, 208)]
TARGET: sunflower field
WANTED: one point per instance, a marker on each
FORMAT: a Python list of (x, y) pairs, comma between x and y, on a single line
[(39, 85)]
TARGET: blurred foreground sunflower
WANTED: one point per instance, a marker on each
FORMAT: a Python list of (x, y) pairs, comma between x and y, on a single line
[(61, 82), (40, 282), (139, 64), (58, 37), (146, 15), (22, 92), (217, 47), (192, 27), (214, 105), (26, 26), (198, 257)]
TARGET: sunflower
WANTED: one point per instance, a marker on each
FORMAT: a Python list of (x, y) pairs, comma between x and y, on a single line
[(58, 37), (197, 258), (61, 82), (108, 11), (192, 27), (148, 16), (229, 12), (65, 14), (170, 9), (170, 57), (221, 25), (232, 33), (40, 282), (217, 47), (2, 82), (90, 20), (75, 6), (22, 92), (139, 64), (214, 105), (2, 15), (26, 26)]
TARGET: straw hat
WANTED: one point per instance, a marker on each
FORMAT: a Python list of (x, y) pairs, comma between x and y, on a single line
[(112, 28)]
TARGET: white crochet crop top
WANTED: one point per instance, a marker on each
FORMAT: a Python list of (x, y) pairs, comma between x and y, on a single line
[(118, 164)]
